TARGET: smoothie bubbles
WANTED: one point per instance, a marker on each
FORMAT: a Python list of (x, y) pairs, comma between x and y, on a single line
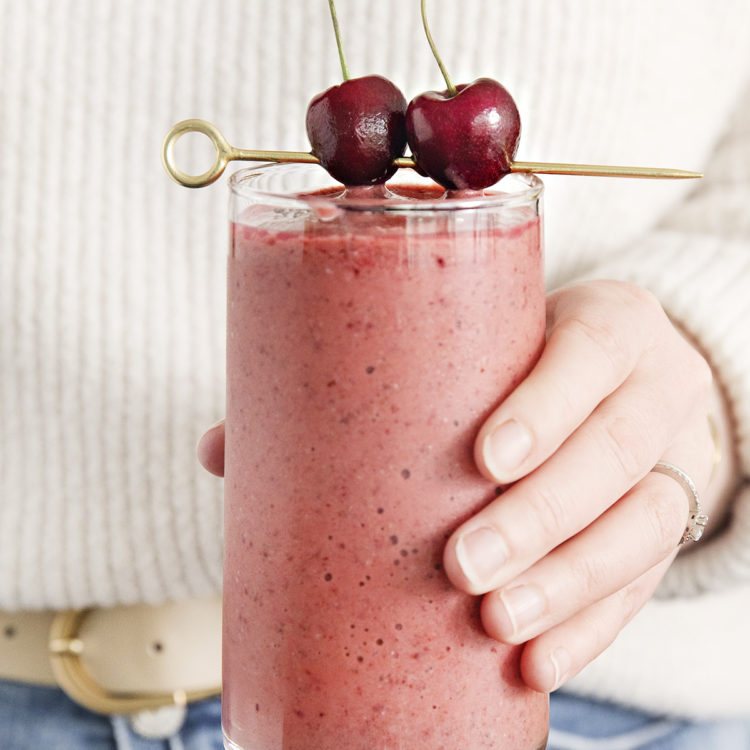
[(372, 327)]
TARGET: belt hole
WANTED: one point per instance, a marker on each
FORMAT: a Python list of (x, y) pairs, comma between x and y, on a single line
[(156, 648), (9, 631)]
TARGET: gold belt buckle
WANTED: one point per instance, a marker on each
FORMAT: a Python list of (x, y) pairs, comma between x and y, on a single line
[(66, 647)]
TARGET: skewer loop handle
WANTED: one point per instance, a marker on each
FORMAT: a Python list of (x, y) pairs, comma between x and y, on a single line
[(224, 153)]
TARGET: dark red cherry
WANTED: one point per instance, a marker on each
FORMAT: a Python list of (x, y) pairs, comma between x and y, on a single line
[(358, 128), (466, 141)]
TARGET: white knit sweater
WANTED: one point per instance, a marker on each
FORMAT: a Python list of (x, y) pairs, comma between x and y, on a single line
[(112, 278)]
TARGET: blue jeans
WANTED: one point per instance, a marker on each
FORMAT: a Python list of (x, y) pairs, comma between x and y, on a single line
[(579, 724), (41, 718), (44, 718)]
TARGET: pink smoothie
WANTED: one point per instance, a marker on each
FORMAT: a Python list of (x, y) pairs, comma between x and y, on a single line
[(364, 351)]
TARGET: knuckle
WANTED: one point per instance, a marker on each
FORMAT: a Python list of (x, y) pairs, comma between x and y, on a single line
[(625, 440), (616, 319), (639, 303), (641, 298), (550, 513), (693, 367), (598, 333), (632, 600), (601, 625), (590, 575), (690, 384), (564, 396)]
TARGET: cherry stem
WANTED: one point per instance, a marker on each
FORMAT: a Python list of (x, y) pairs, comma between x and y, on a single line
[(451, 88), (337, 31)]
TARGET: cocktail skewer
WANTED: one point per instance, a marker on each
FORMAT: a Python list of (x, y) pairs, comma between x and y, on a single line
[(225, 153)]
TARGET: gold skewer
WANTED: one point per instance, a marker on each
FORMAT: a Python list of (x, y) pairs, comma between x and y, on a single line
[(225, 153)]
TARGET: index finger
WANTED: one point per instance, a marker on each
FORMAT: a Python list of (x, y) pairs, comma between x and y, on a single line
[(598, 332)]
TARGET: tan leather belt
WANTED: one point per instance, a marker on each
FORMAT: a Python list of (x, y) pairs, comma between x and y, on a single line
[(122, 660)]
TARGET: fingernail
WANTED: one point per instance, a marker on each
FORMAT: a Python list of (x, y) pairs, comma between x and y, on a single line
[(524, 605), (560, 659), (481, 553), (506, 447)]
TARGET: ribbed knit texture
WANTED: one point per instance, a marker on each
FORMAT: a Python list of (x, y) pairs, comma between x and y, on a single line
[(112, 277)]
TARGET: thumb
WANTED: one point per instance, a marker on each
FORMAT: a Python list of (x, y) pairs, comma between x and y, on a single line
[(210, 449)]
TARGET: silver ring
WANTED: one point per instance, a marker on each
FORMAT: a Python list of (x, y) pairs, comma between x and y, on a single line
[(697, 520)]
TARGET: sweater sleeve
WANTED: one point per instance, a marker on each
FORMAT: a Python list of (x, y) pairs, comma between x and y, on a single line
[(686, 652)]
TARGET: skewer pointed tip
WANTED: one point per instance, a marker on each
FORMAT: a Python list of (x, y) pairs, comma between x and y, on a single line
[(601, 170)]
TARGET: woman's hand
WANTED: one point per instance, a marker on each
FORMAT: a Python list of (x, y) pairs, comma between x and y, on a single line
[(573, 549)]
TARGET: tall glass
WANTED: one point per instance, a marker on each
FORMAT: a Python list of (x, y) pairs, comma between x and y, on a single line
[(368, 338)]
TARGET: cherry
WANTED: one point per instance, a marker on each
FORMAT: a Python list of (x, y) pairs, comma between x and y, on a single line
[(467, 140), (358, 128), (466, 137)]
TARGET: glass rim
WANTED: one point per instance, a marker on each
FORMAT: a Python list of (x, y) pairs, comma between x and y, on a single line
[(528, 189)]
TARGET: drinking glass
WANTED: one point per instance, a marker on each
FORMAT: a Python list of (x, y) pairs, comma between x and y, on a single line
[(369, 335)]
